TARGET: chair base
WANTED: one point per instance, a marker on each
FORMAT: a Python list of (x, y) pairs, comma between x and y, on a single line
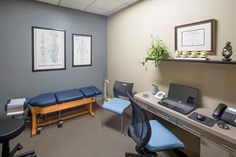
[(132, 155), (7, 153), (178, 152), (141, 152), (29, 153), (140, 155)]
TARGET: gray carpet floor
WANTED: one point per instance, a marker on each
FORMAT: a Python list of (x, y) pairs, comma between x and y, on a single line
[(80, 137)]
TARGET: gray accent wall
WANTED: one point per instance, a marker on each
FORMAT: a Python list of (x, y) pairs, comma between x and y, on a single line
[(16, 76)]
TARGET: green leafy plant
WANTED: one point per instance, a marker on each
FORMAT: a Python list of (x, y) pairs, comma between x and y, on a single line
[(156, 52)]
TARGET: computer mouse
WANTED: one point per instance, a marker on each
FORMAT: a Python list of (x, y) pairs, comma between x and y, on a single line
[(200, 117)]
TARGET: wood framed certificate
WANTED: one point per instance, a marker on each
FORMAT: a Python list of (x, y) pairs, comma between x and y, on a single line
[(198, 36)]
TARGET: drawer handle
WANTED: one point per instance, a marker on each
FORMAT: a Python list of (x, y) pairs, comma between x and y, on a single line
[(191, 130), (229, 148)]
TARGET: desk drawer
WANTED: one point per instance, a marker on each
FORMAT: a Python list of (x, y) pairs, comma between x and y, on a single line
[(209, 149), (158, 113), (207, 136), (162, 115), (226, 145), (190, 128)]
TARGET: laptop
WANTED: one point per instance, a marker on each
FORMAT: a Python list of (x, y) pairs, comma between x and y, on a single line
[(180, 98)]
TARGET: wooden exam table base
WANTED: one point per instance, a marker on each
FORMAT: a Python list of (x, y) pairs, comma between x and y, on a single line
[(87, 102)]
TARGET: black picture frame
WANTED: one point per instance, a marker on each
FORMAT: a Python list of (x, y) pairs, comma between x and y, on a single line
[(74, 63), (34, 55)]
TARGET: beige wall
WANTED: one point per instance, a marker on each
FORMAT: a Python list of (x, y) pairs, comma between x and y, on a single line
[(129, 37)]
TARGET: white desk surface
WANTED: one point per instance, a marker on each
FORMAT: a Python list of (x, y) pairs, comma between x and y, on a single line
[(229, 135)]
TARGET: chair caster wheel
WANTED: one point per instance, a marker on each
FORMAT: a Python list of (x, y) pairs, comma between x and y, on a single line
[(60, 124), (19, 147), (39, 130), (34, 155)]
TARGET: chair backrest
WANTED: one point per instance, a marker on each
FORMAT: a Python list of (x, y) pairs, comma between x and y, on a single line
[(140, 129), (120, 89)]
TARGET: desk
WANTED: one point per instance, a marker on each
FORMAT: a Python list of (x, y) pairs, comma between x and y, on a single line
[(214, 140)]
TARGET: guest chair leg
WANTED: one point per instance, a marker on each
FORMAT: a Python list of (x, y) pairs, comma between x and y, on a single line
[(102, 119), (121, 125), (133, 155)]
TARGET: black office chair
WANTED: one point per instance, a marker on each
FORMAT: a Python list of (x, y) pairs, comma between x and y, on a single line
[(149, 135), (9, 129)]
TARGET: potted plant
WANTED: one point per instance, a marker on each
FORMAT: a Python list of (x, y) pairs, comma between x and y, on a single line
[(156, 52)]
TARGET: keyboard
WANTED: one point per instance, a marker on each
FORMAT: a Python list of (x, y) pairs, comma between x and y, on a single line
[(182, 108), (174, 103)]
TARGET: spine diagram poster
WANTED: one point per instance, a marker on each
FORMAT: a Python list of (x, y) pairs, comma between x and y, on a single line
[(82, 50), (48, 49)]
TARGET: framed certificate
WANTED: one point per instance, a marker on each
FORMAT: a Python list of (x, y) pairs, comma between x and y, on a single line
[(198, 36)]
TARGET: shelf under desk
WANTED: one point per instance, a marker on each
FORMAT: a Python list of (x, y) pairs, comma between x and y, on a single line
[(224, 138)]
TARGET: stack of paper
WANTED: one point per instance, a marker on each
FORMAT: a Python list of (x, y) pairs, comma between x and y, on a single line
[(16, 106)]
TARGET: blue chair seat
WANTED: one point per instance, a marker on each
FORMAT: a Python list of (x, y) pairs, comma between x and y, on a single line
[(116, 105), (68, 95), (162, 138), (43, 100)]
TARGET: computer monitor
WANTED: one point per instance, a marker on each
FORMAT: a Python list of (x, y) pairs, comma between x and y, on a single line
[(183, 94)]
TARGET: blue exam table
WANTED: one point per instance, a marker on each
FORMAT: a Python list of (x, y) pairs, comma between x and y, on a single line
[(46, 103)]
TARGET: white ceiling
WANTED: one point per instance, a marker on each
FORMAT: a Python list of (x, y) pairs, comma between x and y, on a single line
[(102, 7)]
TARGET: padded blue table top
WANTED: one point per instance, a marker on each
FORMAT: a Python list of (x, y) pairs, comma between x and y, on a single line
[(95, 89), (48, 99), (43, 100), (87, 92), (68, 95)]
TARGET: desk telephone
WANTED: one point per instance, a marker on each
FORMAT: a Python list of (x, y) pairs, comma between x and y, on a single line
[(225, 114), (160, 95)]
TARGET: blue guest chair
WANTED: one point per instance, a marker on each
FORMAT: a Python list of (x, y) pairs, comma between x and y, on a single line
[(149, 135), (119, 103)]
